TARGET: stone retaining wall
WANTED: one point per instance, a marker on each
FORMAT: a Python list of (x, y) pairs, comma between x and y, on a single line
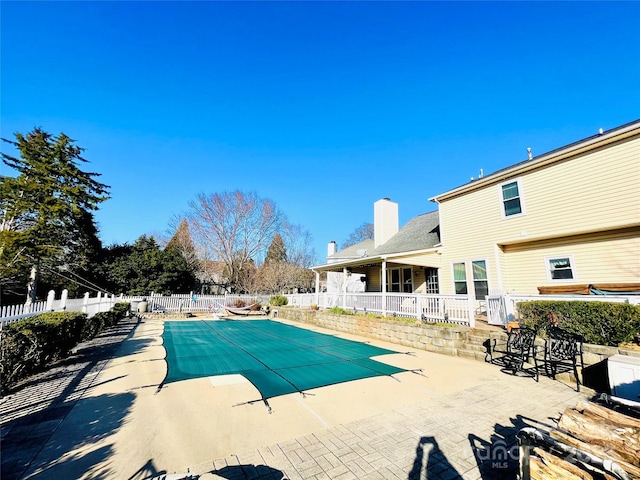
[(449, 340), (440, 339)]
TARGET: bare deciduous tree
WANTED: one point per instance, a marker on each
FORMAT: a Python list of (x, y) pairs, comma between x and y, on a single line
[(237, 227), (363, 232), (283, 277), (298, 243)]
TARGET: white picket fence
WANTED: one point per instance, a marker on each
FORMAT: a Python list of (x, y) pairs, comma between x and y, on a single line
[(456, 309), (86, 304)]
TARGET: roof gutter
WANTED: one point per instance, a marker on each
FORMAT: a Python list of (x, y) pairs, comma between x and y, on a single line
[(374, 259)]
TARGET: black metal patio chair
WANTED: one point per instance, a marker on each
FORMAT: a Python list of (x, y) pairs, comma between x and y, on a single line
[(516, 352), (562, 353)]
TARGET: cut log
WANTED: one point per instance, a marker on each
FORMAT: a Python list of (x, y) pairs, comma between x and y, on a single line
[(607, 414), (562, 467), (624, 440), (539, 470), (597, 450)]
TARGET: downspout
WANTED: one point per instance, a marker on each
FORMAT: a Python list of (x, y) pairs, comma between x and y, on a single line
[(496, 250)]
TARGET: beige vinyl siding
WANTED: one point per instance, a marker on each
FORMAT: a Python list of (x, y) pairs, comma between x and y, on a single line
[(374, 283), (468, 234), (599, 190), (600, 258), (419, 285)]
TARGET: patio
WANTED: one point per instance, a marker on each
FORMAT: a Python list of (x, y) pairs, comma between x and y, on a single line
[(448, 422)]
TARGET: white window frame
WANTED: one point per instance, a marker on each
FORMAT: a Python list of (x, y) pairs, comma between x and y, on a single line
[(466, 275), (474, 280), (402, 280), (520, 197), (572, 266), (470, 280)]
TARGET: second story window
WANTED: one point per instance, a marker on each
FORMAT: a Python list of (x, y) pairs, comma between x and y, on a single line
[(511, 199)]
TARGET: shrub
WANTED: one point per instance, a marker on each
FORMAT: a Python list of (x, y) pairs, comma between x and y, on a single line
[(340, 311), (121, 309), (30, 345), (600, 323), (278, 300), (239, 303)]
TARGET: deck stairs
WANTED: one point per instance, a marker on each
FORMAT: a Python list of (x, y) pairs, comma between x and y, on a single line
[(478, 338)]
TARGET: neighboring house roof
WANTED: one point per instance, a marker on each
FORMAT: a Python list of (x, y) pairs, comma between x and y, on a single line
[(419, 233), (353, 251), (595, 141)]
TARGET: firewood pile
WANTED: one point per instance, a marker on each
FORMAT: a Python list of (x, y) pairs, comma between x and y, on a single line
[(594, 440)]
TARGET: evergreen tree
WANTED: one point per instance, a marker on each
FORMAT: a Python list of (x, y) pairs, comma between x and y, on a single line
[(277, 251), (144, 267), (47, 220)]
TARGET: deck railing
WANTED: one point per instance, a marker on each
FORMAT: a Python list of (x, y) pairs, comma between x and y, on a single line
[(435, 308), (457, 309)]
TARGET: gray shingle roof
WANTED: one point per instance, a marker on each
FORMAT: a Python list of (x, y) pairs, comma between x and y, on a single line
[(419, 233), (353, 252)]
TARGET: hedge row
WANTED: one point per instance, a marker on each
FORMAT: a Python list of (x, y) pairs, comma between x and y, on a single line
[(600, 323), (29, 346)]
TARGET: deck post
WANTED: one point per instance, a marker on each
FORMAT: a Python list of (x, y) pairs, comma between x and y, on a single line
[(472, 313)]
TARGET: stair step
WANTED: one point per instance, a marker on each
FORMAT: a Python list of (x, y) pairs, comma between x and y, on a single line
[(477, 339), (466, 353), (474, 347)]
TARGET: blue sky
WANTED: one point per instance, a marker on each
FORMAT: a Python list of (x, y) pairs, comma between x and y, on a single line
[(323, 107)]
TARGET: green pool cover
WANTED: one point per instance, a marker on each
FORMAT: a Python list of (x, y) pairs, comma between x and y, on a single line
[(276, 358)]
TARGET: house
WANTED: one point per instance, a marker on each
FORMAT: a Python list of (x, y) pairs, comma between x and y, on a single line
[(567, 221), (212, 278), (397, 259), (336, 281)]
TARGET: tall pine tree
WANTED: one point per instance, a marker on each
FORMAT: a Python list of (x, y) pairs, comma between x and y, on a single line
[(277, 251), (47, 220)]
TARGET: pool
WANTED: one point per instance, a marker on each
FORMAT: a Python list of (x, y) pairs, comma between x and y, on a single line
[(276, 358)]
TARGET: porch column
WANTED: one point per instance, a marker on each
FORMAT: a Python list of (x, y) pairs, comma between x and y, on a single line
[(472, 312), (384, 288), (317, 302), (344, 287)]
